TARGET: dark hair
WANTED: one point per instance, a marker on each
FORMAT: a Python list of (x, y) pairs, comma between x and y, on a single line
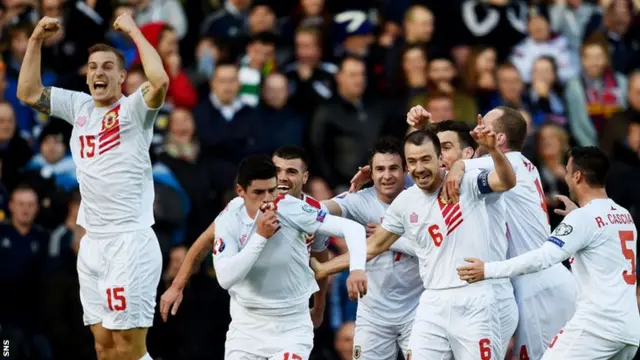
[(349, 58), (137, 68), (512, 124), (592, 163), (108, 48), (420, 137), (459, 127), (255, 167), (292, 152), (265, 37), (23, 187), (388, 145)]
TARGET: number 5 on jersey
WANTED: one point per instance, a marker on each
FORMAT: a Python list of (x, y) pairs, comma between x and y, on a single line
[(87, 146), (625, 237)]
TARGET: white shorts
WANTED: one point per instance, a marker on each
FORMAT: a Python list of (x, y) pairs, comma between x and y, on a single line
[(259, 336), (546, 301), (380, 342), (119, 275), (508, 321), (576, 342), (462, 323)]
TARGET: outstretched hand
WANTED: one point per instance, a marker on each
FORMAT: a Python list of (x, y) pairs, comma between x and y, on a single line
[(569, 206)]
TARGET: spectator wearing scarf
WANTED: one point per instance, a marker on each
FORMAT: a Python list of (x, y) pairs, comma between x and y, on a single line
[(595, 96)]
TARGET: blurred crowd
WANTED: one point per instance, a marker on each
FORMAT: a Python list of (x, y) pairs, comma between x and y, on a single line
[(248, 76)]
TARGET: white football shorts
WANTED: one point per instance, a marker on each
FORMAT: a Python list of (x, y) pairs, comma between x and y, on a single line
[(462, 323), (580, 342), (119, 275), (256, 335), (546, 301), (380, 342)]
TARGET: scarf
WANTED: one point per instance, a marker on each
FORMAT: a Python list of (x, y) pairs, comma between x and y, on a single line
[(604, 98)]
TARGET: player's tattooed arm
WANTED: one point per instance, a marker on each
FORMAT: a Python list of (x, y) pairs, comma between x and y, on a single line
[(43, 104)]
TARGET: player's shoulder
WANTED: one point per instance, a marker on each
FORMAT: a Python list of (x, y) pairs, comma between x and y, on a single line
[(485, 162), (311, 201), (230, 212), (407, 194)]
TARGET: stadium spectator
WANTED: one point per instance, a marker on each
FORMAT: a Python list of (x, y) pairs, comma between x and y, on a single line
[(311, 80), (596, 95), (544, 97), (553, 144), (541, 42), (277, 113), (167, 11), (163, 37), (346, 126), (15, 151), (480, 76), (614, 136), (258, 61), (23, 251), (441, 106), (623, 36), (443, 76), (570, 18)]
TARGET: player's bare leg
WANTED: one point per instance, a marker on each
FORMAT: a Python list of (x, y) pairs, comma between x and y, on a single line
[(131, 344), (105, 347)]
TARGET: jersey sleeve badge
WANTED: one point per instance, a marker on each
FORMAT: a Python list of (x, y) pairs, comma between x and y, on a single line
[(563, 230), (219, 246)]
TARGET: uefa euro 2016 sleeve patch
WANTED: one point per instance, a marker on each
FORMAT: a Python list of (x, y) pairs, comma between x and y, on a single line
[(321, 215), (219, 246)]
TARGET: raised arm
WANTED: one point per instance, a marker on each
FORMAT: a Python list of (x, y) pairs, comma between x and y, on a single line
[(155, 88), (377, 243), (30, 90)]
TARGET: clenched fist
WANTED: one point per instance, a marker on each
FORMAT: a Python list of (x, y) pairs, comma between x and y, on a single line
[(46, 28), (267, 224), (125, 23)]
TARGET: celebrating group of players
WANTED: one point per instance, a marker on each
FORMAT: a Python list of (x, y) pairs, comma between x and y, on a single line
[(419, 274)]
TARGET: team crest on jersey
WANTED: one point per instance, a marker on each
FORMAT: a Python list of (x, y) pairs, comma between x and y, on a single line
[(308, 208), (563, 230), (219, 246), (357, 351), (413, 218), (408, 357), (109, 136)]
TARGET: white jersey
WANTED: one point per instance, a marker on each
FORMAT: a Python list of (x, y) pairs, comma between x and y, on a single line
[(525, 204), (319, 242), (498, 227), (443, 234), (602, 238), (280, 281), (110, 147), (394, 278)]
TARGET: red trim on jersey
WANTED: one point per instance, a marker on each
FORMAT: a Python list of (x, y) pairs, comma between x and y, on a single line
[(452, 215), (311, 201), (109, 136)]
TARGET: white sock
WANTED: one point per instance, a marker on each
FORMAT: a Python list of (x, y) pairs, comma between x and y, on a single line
[(146, 357)]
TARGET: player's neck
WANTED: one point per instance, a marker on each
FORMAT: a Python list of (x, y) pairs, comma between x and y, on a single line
[(251, 213), (385, 198), (591, 194), (106, 103)]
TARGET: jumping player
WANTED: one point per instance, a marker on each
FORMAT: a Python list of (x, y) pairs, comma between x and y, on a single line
[(119, 261), (602, 238)]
